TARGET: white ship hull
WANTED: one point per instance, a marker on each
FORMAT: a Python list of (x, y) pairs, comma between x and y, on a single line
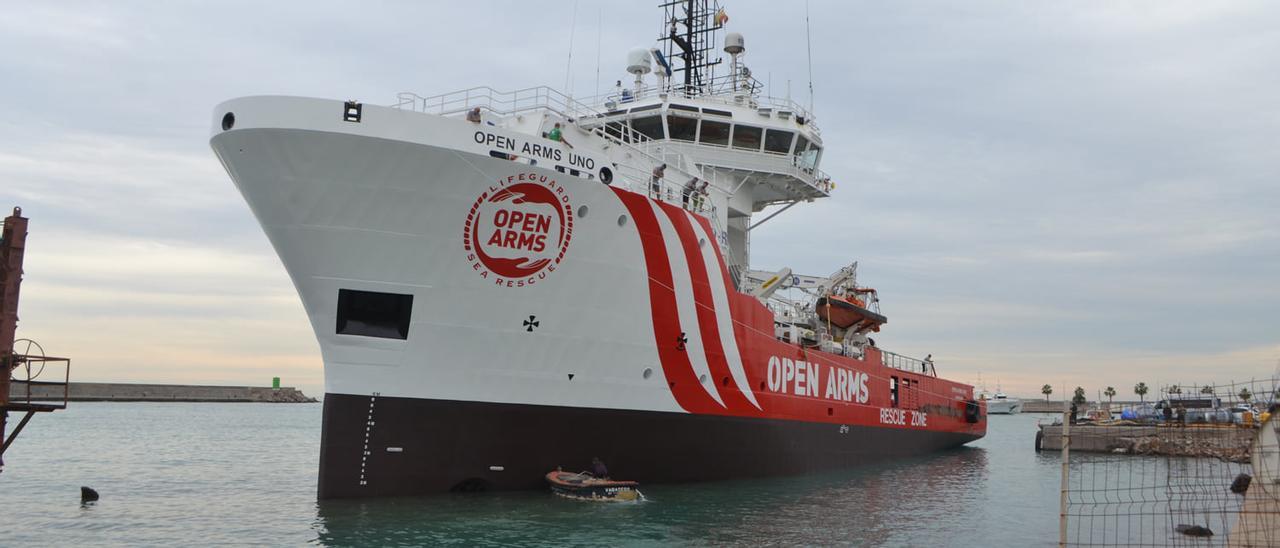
[(347, 211)]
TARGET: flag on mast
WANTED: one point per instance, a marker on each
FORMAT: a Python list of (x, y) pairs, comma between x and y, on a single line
[(722, 17)]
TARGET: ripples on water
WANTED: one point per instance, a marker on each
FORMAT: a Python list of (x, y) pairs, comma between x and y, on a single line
[(204, 474)]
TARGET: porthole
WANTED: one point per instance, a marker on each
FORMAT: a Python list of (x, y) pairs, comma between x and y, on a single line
[(724, 381), (702, 242), (582, 212), (606, 175), (228, 121), (702, 379), (622, 220), (648, 372)]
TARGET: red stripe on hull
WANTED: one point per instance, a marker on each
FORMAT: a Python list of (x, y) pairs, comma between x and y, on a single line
[(666, 317), (923, 403), (707, 325)]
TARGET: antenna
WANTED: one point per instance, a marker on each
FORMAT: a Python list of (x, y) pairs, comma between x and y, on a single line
[(688, 34), (568, 66), (599, 41), (808, 44)]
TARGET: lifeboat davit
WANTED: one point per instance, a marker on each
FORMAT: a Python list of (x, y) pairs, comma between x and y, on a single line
[(849, 313)]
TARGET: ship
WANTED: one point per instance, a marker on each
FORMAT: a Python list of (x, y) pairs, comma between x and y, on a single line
[(1001, 404), (503, 283)]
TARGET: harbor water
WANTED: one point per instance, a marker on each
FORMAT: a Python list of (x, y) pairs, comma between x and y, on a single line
[(245, 474)]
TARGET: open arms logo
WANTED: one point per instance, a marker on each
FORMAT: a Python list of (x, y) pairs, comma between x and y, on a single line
[(517, 234)]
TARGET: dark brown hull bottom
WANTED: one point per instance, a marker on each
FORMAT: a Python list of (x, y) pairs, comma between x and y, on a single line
[(378, 446)]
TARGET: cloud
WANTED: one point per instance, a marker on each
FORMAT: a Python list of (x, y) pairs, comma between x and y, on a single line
[(1069, 256), (1037, 190)]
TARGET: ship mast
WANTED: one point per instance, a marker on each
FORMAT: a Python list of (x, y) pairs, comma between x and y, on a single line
[(689, 34)]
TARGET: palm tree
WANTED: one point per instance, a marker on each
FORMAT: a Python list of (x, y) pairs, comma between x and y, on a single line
[(1046, 390), (1207, 389), (1245, 395), (1174, 390), (1141, 390), (1079, 397), (1110, 393)]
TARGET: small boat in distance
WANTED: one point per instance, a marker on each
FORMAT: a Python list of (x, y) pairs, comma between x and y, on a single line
[(584, 486), (1001, 404)]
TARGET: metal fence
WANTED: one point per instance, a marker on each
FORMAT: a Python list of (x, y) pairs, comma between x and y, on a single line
[(1197, 467)]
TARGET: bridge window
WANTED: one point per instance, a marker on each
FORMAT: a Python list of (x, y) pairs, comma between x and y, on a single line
[(714, 133), (801, 143), (681, 128), (649, 126), (746, 137), (777, 141), (809, 159)]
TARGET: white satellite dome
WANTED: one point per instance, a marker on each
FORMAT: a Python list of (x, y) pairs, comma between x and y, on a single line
[(734, 43), (639, 61)]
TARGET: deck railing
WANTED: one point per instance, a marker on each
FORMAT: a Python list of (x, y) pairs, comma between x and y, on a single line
[(498, 102), (720, 92), (40, 379), (907, 363), (584, 111)]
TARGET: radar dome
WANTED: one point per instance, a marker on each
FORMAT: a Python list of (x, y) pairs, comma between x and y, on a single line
[(734, 44), (638, 61)]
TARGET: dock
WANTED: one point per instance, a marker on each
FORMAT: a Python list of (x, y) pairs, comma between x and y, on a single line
[(1229, 442), (1058, 406), (129, 392)]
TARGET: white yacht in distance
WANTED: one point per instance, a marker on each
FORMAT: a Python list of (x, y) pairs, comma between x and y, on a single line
[(1002, 404)]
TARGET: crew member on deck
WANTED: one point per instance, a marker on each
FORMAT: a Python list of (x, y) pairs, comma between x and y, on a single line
[(689, 188), (655, 186), (556, 135), (473, 115), (598, 468)]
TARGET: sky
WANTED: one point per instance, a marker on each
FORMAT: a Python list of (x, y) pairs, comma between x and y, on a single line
[(1077, 194)]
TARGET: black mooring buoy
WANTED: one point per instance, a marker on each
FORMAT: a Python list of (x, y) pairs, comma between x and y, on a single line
[(1194, 530), (1241, 484), (87, 494)]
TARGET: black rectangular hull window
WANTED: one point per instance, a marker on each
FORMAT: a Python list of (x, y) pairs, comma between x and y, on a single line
[(373, 314)]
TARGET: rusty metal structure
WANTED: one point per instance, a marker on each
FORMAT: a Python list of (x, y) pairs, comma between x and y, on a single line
[(30, 366)]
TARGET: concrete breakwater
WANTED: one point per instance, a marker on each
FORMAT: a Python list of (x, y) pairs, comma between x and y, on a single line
[(1041, 406), (1058, 406), (1226, 442), (98, 391)]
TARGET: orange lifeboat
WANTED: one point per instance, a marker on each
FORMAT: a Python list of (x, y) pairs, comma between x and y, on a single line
[(849, 312)]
